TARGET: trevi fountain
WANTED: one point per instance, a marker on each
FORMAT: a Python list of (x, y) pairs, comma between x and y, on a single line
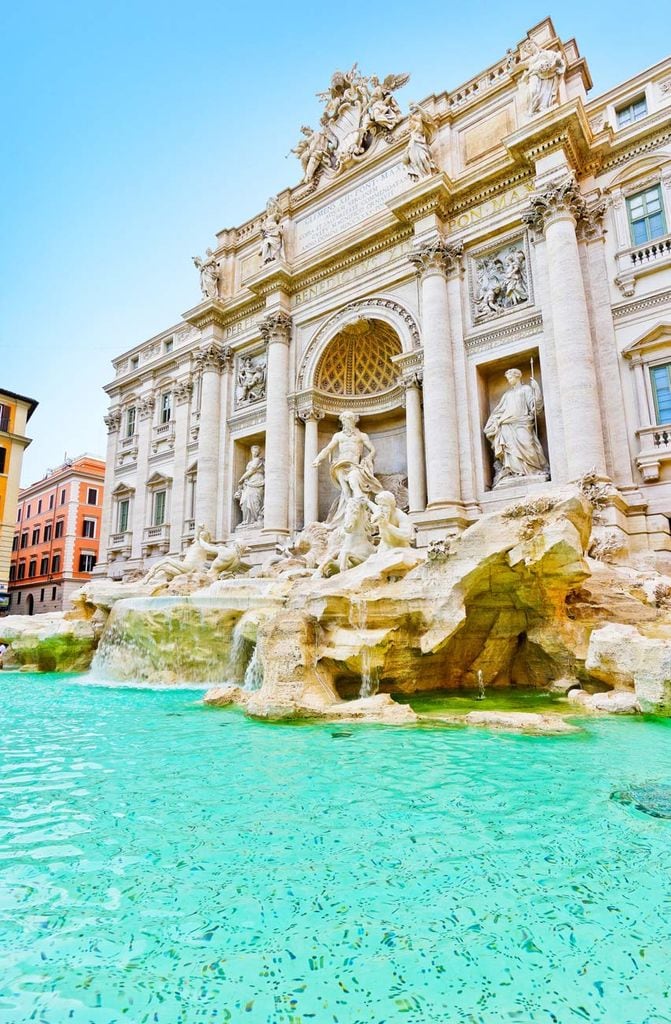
[(374, 727)]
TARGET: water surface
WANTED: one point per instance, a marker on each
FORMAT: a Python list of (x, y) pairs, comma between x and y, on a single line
[(171, 864)]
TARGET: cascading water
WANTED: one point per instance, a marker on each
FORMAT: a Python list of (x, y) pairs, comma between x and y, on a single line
[(240, 655), (254, 672), (358, 618), (481, 686)]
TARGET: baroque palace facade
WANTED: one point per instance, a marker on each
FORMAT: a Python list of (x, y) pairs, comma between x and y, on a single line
[(510, 224)]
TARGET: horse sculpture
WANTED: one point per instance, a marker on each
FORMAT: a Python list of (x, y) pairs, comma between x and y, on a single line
[(349, 544)]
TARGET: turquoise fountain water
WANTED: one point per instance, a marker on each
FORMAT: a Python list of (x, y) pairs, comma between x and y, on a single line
[(170, 864)]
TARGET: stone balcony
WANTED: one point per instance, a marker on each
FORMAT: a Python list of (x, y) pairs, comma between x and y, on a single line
[(119, 545), (655, 448), (156, 539), (640, 260)]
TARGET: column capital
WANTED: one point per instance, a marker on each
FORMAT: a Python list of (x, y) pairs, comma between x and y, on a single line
[(590, 225), (113, 420), (276, 327), (183, 390), (214, 357), (412, 380), (560, 200), (436, 257), (146, 406), (308, 415)]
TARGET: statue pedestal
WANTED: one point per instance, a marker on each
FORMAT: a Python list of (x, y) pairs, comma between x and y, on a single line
[(521, 481)]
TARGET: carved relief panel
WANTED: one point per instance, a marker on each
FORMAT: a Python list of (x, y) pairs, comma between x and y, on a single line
[(250, 379), (499, 279)]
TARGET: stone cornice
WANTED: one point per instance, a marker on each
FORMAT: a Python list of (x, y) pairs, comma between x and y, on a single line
[(212, 311), (431, 195), (436, 256), (504, 332), (625, 309), (565, 127), (273, 277)]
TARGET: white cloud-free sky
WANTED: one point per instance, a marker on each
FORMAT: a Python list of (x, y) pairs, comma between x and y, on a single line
[(134, 130)]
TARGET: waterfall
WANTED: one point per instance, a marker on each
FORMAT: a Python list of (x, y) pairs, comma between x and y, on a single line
[(240, 654), (254, 672), (358, 618), (481, 686)]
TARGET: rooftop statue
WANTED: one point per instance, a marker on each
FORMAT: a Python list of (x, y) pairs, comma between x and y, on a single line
[(545, 69), (209, 274), (356, 110), (272, 232), (417, 157)]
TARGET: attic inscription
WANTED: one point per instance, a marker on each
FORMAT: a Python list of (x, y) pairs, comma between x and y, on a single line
[(348, 210)]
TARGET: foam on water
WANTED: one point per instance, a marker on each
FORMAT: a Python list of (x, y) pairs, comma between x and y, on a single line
[(166, 863)]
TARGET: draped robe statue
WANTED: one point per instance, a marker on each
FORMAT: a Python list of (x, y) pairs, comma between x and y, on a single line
[(511, 430)]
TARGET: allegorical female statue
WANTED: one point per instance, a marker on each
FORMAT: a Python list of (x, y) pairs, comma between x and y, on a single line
[(511, 431), (544, 71), (417, 156), (251, 486), (209, 274)]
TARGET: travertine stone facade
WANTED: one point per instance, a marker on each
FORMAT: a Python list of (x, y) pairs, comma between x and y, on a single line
[(512, 223)]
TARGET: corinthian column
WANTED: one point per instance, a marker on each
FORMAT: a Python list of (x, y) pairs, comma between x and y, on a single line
[(433, 262), (113, 424), (276, 331), (555, 211), (209, 362), (414, 441), (311, 420)]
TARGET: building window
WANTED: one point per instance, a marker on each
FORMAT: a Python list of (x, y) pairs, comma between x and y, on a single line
[(39, 506), (122, 515), (168, 344), (42, 595), (633, 111), (51, 501), (18, 515), (12, 572), (89, 528), (134, 362), (54, 592), (59, 528), (22, 571), (158, 517), (166, 406), (24, 539), (36, 536), (47, 532), (92, 498), (28, 512), (86, 562), (18, 597), (32, 568), (3, 459), (130, 421), (44, 565), (15, 542), (63, 496), (646, 215), (56, 563), (661, 389), (4, 418)]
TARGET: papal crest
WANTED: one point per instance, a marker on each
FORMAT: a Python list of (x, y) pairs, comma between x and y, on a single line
[(357, 110)]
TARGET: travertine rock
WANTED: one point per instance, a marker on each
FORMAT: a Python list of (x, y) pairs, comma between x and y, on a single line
[(513, 721), (621, 655)]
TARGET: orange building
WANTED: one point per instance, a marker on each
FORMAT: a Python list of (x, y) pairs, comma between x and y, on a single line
[(15, 411), (56, 538)]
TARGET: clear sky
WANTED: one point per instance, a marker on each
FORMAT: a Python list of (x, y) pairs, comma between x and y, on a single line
[(132, 130)]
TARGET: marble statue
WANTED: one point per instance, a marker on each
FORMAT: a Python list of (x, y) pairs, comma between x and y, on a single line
[(350, 542), (512, 432), (250, 490), (383, 110), (251, 380), (501, 282), (351, 455), (394, 526), (313, 151), (417, 156), (272, 233), (228, 559), (545, 69), (209, 274), (194, 559)]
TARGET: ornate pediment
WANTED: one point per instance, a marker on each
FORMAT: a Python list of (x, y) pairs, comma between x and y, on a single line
[(357, 110)]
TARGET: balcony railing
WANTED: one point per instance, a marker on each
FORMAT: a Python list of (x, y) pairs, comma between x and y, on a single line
[(641, 259), (120, 543), (654, 449)]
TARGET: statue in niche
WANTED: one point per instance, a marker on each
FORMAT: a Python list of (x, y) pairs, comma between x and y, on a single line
[(251, 380), (209, 274), (545, 69), (352, 457), (394, 526), (272, 232), (513, 434), (501, 282), (250, 490), (417, 156)]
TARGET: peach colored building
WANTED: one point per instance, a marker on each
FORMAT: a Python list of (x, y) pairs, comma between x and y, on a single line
[(15, 411), (57, 535)]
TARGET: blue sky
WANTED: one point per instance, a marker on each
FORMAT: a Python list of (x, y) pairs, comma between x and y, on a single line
[(132, 131)]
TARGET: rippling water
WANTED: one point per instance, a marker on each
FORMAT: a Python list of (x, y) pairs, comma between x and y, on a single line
[(166, 863)]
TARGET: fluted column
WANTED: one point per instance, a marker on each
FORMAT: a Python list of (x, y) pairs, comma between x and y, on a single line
[(182, 393), (555, 211), (276, 331), (145, 409), (433, 262), (113, 424), (414, 440), (209, 362), (311, 420)]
